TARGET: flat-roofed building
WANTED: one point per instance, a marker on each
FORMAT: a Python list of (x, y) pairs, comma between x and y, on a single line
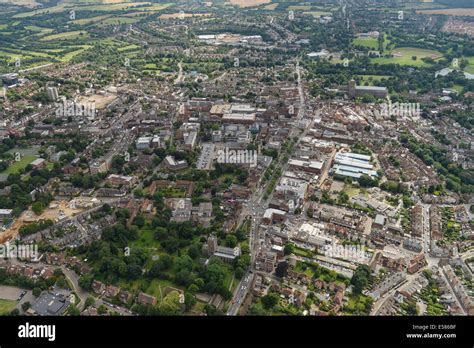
[(355, 91), (353, 165), (307, 166), (239, 118), (6, 214)]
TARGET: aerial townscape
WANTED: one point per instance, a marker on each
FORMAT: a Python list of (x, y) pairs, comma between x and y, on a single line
[(236, 158)]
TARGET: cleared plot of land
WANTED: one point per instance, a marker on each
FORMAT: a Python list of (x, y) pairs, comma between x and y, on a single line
[(317, 13), (404, 56), (9, 292), (271, 7), (249, 3), (100, 101), (450, 11)]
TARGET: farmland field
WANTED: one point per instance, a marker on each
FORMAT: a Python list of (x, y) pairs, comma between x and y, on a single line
[(249, 3), (317, 13), (271, 7), (299, 8), (65, 36), (97, 7), (27, 3), (450, 12)]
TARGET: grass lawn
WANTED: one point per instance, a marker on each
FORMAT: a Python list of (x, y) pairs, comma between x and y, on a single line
[(470, 67), (302, 252), (146, 239), (367, 42), (403, 56), (6, 306), (458, 88), (17, 166), (351, 191)]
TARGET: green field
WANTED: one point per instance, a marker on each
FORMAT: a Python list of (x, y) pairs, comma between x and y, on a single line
[(403, 56), (6, 306), (39, 29), (470, 67), (17, 166), (68, 56), (299, 8), (147, 6), (367, 42), (68, 35), (84, 21)]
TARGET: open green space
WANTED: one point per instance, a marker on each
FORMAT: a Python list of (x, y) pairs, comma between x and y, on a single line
[(17, 166), (407, 55), (367, 42), (6, 306)]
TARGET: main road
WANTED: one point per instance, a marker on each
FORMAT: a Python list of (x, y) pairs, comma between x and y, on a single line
[(256, 208)]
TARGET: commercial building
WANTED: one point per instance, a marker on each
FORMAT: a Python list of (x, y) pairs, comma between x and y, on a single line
[(52, 93), (5, 214), (353, 165), (355, 91)]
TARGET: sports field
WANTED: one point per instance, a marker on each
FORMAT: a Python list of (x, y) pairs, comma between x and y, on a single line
[(406, 55), (367, 42)]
